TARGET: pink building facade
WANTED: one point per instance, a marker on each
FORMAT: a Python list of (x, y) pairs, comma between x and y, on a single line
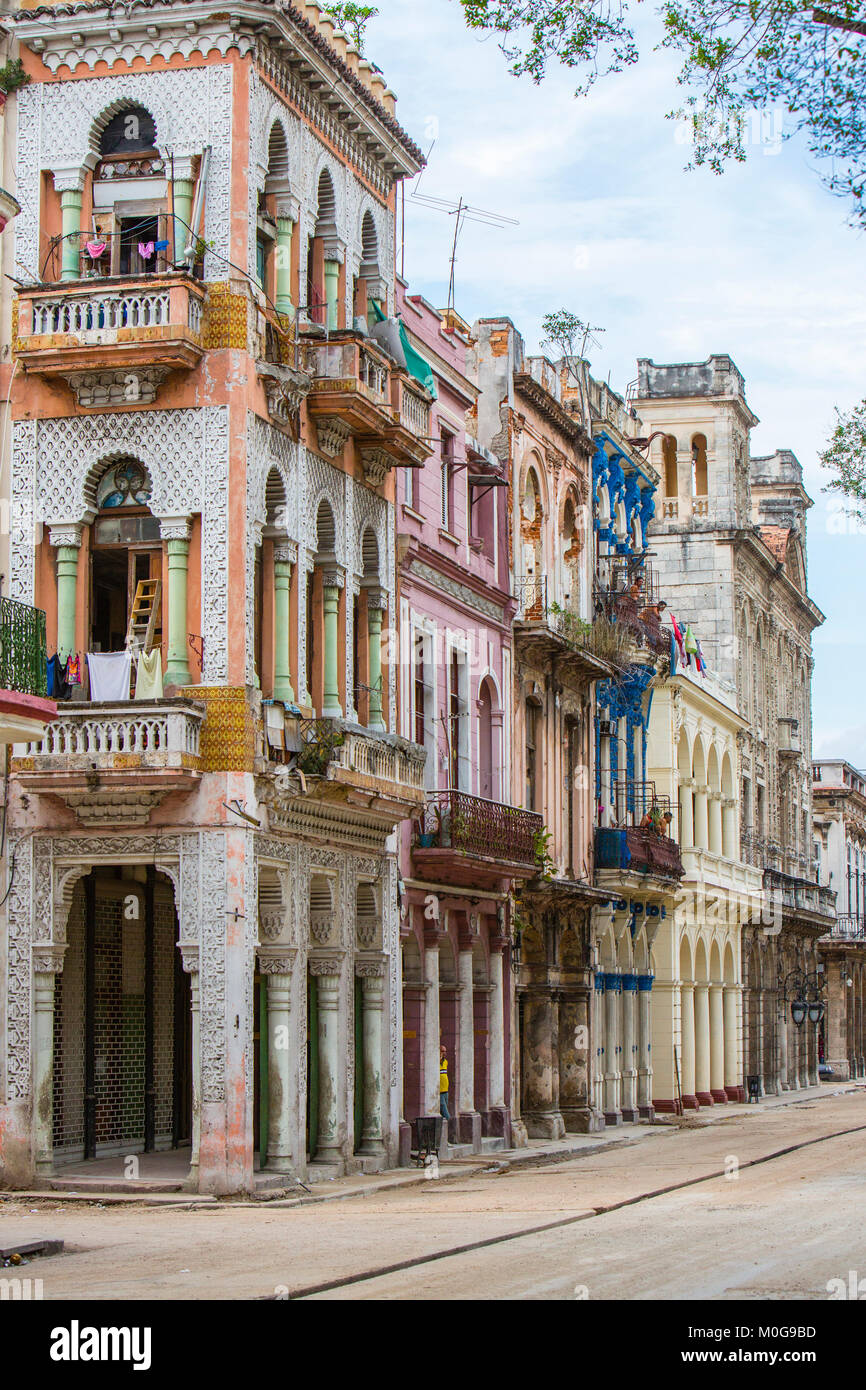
[(460, 859)]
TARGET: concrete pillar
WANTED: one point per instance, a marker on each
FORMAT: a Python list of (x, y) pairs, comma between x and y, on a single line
[(283, 559), (431, 1024), (729, 828), (67, 542), (70, 225), (715, 824), (189, 957), (175, 533), (644, 1046), (733, 1074), (47, 962), (373, 994), (837, 1052), (687, 822), (687, 1032), (328, 1148), (597, 1039), (784, 1060), (276, 964), (702, 1044), (717, 1044), (469, 1121), (376, 604), (612, 1054), (540, 1088), (497, 1026), (628, 1066), (333, 583)]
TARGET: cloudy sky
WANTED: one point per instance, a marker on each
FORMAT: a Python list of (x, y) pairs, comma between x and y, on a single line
[(760, 263)]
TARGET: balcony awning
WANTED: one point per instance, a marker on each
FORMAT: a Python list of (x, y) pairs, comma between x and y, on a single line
[(418, 366)]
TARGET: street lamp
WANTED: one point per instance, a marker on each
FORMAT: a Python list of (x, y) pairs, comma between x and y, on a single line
[(816, 1011), (798, 1012)]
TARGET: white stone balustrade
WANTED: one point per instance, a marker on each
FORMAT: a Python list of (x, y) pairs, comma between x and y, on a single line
[(414, 411), (152, 735), (371, 757)]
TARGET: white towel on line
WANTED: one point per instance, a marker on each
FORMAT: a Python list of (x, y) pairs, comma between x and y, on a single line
[(109, 675)]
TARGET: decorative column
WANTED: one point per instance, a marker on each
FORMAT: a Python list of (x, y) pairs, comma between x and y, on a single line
[(687, 822), (69, 183), (733, 1076), (717, 1044), (785, 1083), (729, 827), (715, 823), (287, 216), (175, 533), (372, 973), (377, 602), (628, 1066), (469, 1120), (183, 191), (644, 1047), (67, 542), (276, 963), (687, 1033), (499, 1111), (47, 964), (332, 583), (284, 557), (598, 1041), (543, 1120), (612, 987), (701, 828), (189, 958), (702, 1043), (327, 976), (431, 1022), (334, 257)]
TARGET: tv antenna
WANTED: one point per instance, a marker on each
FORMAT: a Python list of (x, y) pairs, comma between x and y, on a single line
[(462, 213)]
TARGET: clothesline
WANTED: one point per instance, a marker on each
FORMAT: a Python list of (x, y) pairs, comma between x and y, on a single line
[(110, 675)]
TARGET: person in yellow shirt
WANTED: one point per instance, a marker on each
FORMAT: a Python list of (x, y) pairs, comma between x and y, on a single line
[(443, 1084)]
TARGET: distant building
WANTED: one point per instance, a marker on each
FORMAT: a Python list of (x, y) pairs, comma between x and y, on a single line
[(839, 827)]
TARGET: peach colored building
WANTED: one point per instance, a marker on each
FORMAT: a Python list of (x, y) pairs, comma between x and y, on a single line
[(201, 951)]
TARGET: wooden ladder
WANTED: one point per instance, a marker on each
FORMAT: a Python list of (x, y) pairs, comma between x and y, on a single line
[(142, 619)]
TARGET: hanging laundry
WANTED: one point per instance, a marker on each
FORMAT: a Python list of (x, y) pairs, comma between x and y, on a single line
[(95, 249), (702, 665), (148, 675), (58, 688), (679, 639), (109, 675), (673, 655), (73, 670), (160, 245), (146, 249), (691, 646)]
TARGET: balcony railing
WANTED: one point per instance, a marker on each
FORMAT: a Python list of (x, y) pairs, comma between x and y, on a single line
[(414, 410), (637, 850), (22, 648), (565, 628), (800, 895), (137, 734), (475, 826), (849, 927)]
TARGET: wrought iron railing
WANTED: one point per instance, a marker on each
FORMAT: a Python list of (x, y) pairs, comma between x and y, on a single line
[(799, 894), (638, 803), (637, 850), (22, 648), (473, 825), (849, 927)]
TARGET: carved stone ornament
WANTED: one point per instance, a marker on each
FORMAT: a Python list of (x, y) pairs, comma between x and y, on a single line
[(276, 960), (47, 960), (332, 434), (376, 464), (65, 536), (174, 528), (326, 965), (369, 969), (285, 390), (98, 390), (320, 926)]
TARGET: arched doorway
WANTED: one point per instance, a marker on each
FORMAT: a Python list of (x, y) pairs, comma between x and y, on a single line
[(122, 1023), (486, 786), (126, 569)]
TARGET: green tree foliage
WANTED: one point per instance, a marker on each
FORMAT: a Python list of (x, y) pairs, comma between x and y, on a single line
[(845, 455), (352, 19), (740, 57)]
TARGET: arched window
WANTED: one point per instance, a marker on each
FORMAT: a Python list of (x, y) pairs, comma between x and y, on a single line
[(699, 465), (669, 461), (131, 131), (125, 560), (486, 757), (132, 233), (370, 285), (531, 527)]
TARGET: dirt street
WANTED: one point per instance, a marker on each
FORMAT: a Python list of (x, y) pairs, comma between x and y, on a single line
[(779, 1230)]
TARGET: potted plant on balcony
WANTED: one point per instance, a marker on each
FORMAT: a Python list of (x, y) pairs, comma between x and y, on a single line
[(12, 76), (318, 751), (544, 863)]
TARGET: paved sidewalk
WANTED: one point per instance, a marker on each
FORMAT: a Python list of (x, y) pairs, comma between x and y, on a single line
[(538, 1153)]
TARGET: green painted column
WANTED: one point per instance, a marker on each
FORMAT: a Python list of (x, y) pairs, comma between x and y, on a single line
[(282, 578), (332, 292), (67, 542), (70, 213), (184, 190), (332, 584), (283, 301), (176, 537), (376, 603)]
